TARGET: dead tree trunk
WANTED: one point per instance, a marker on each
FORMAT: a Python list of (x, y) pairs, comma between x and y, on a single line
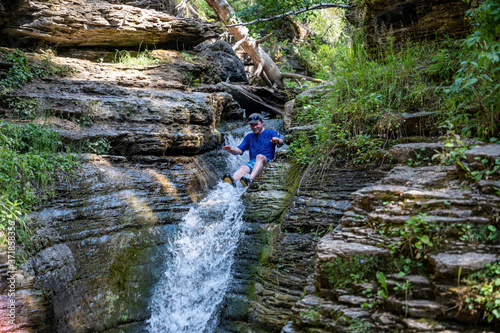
[(265, 66)]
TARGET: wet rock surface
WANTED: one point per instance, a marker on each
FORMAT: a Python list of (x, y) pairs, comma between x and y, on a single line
[(99, 247), (286, 214), (102, 244)]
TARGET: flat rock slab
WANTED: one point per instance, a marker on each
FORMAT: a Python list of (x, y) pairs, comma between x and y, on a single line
[(329, 249), (490, 152), (423, 324), (417, 308), (420, 150), (448, 265)]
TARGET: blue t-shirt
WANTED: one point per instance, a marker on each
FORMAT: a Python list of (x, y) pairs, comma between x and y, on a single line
[(259, 144)]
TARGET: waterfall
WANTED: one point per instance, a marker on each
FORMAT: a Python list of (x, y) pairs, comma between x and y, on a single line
[(199, 272)]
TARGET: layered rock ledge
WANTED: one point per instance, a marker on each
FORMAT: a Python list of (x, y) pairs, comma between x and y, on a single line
[(71, 23)]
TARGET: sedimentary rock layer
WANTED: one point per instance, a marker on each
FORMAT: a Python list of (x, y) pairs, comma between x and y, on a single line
[(70, 23)]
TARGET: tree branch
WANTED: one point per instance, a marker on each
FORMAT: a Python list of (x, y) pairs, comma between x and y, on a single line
[(266, 80), (263, 39), (238, 43), (292, 12), (299, 76)]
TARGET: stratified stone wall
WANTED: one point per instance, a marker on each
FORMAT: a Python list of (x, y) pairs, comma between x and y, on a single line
[(72, 23), (99, 247), (411, 19), (463, 214), (287, 212)]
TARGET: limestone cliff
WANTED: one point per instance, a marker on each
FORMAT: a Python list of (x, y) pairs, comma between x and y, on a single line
[(99, 248), (410, 19), (97, 23)]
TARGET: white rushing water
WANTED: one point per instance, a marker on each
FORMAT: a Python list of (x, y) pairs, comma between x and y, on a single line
[(197, 276)]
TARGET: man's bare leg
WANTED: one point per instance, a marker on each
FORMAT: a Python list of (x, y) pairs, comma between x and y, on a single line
[(260, 162), (241, 171)]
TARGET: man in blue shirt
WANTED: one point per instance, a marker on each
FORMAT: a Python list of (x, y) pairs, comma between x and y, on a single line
[(261, 144)]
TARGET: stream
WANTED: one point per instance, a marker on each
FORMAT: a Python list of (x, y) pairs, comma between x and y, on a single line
[(198, 272)]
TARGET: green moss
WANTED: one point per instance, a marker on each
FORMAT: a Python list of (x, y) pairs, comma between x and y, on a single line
[(120, 271), (341, 272)]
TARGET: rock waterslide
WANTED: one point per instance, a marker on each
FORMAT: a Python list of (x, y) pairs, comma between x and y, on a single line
[(106, 241), (188, 295)]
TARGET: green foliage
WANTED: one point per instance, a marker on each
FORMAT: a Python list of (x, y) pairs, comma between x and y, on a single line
[(384, 292), (22, 73), (456, 149), (475, 92), (357, 269), (412, 240), (482, 168), (420, 235), (477, 233), (357, 325), (141, 58), (23, 109), (29, 167), (416, 235), (99, 146), (268, 8), (361, 112), (19, 74), (485, 292)]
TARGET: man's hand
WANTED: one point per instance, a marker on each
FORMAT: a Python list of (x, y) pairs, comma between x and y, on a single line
[(277, 141), (234, 151)]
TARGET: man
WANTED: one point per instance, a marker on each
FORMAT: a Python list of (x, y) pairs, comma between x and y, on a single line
[(261, 144)]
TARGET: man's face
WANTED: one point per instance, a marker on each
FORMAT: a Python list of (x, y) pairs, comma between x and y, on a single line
[(257, 128)]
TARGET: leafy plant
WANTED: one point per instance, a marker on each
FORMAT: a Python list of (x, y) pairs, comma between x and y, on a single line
[(384, 292), (23, 72), (30, 165), (416, 234), (19, 74), (23, 109), (475, 92), (485, 292), (100, 146)]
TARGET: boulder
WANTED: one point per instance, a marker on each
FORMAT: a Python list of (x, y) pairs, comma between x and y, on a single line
[(227, 64)]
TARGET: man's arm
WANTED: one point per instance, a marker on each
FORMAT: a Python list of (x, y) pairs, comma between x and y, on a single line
[(279, 142), (233, 150)]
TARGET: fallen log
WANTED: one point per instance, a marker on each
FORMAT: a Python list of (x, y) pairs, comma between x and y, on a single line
[(249, 101)]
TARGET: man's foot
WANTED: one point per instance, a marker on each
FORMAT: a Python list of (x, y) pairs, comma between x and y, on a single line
[(245, 180), (228, 179)]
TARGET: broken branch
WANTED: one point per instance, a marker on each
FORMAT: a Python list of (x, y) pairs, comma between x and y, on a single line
[(292, 12), (263, 39), (300, 77)]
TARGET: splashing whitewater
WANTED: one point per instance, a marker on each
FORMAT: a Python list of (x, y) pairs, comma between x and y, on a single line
[(193, 286)]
